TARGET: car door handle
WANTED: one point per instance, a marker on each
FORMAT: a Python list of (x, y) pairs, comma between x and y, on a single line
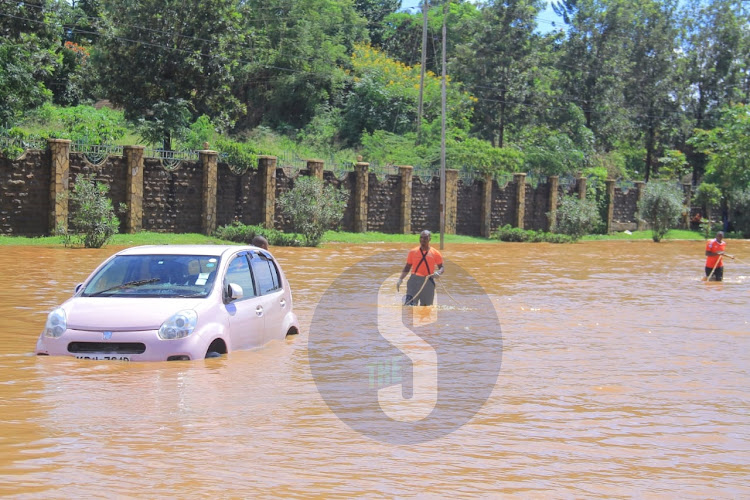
[(282, 302), (259, 311)]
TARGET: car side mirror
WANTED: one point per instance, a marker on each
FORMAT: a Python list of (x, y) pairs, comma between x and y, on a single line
[(234, 292), (77, 288)]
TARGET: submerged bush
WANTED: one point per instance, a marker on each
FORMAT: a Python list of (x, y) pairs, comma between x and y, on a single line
[(661, 206), (576, 217), (241, 233), (313, 207), (93, 220), (509, 233)]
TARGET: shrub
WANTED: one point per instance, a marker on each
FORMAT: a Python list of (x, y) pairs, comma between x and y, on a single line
[(576, 217), (93, 220), (241, 233), (508, 233), (661, 206), (313, 207), (240, 155), (12, 145), (79, 123)]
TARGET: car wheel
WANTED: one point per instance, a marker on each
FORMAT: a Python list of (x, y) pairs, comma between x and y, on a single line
[(213, 354)]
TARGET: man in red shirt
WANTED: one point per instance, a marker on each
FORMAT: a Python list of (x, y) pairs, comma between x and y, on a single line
[(714, 261), (426, 264)]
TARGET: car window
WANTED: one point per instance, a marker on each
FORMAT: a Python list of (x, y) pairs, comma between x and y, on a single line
[(154, 276), (266, 274), (239, 273)]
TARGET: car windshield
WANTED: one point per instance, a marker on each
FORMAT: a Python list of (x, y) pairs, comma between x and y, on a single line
[(167, 276)]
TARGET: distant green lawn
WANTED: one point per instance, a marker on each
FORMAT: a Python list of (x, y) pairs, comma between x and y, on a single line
[(673, 234), (150, 238)]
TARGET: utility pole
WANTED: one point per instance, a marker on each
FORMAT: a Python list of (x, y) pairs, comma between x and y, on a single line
[(425, 7), (442, 129)]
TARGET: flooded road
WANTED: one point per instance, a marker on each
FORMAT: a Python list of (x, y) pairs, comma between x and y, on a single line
[(623, 374)]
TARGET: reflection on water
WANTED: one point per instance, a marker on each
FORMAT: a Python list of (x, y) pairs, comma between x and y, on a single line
[(622, 374)]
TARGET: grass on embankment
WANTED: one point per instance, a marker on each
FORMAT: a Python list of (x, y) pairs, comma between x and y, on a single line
[(672, 234), (150, 238)]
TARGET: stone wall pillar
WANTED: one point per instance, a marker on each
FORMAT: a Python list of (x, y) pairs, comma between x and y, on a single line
[(640, 187), (687, 189), (361, 187), (581, 188), (520, 182), (315, 167), (610, 186), (209, 161), (485, 225), (59, 152), (134, 188), (451, 200), (405, 173), (267, 169), (554, 184)]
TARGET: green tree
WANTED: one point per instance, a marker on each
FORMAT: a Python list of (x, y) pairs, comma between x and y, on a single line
[(661, 206), (157, 62), (402, 33), (313, 207), (727, 147), (29, 52), (651, 84), (594, 59), (385, 94), (497, 64), (300, 53), (375, 11), (565, 148), (714, 59)]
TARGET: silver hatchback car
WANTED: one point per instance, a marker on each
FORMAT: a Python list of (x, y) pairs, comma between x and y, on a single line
[(173, 302)]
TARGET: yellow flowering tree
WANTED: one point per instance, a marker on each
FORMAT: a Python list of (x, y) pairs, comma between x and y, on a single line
[(385, 94)]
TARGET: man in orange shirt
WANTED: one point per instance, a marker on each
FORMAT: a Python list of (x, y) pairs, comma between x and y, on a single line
[(714, 261), (426, 264)]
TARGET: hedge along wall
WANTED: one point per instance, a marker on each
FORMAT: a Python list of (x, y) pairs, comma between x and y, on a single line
[(199, 196)]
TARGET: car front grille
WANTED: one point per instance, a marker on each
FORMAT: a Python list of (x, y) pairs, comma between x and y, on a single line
[(107, 347)]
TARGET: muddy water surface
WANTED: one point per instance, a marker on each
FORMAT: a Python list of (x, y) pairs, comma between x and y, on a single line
[(623, 374)]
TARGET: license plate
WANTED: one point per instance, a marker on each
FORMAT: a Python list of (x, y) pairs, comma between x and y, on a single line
[(108, 357)]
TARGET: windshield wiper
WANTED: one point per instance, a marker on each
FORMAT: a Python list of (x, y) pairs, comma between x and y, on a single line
[(129, 284)]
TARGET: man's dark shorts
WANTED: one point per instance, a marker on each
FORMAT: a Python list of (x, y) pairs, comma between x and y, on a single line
[(425, 297), (718, 273)]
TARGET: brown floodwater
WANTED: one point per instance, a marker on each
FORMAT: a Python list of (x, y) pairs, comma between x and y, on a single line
[(623, 374)]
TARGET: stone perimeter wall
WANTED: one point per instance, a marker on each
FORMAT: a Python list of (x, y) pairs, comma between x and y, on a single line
[(199, 196)]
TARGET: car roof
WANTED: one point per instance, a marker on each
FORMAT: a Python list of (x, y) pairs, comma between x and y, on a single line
[(212, 250)]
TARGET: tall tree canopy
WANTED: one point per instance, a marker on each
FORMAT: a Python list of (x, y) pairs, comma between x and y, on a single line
[(160, 58), (30, 41), (300, 51), (498, 63)]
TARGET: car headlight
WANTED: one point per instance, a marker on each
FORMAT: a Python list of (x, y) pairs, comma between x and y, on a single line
[(180, 325), (57, 323)]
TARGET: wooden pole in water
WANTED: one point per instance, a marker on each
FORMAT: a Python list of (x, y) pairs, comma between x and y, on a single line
[(714, 269)]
